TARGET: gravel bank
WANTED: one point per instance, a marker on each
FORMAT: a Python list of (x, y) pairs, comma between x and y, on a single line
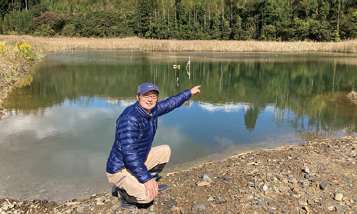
[(314, 177)]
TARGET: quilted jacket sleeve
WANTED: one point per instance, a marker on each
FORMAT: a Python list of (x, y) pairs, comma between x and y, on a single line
[(173, 102), (129, 133)]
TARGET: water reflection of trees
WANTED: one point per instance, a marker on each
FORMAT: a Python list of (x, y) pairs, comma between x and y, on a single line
[(310, 89)]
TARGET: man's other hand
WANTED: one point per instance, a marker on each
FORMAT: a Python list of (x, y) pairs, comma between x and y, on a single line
[(195, 90), (152, 188)]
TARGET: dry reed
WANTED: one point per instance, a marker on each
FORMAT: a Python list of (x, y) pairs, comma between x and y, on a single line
[(51, 45)]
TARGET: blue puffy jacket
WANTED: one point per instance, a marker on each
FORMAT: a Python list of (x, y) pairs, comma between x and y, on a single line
[(135, 132)]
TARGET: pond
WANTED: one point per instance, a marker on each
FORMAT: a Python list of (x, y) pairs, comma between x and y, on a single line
[(59, 127)]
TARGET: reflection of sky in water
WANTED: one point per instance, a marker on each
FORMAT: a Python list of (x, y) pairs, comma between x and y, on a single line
[(70, 143)]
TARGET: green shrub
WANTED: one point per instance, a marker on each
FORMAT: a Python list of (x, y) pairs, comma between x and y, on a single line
[(17, 21), (44, 30), (53, 20), (302, 28), (270, 32), (36, 33), (69, 30)]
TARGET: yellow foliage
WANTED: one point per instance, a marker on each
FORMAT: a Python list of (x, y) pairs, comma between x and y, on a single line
[(3, 48), (24, 49)]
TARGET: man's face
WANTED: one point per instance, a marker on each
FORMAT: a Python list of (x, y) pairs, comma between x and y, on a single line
[(148, 100)]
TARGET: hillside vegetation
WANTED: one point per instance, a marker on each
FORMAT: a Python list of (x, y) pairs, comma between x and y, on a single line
[(264, 20)]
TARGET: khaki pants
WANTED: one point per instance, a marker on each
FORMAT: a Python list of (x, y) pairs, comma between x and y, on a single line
[(126, 180)]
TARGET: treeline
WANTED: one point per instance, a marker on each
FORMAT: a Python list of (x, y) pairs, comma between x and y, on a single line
[(265, 20)]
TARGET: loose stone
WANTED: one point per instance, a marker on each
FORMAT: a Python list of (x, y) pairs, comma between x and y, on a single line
[(323, 186), (170, 203), (306, 170), (206, 178), (293, 180), (200, 206), (338, 197), (302, 203), (261, 201), (306, 208), (81, 209), (203, 183), (220, 202)]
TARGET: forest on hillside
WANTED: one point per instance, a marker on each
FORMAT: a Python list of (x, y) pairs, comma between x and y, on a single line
[(263, 20)]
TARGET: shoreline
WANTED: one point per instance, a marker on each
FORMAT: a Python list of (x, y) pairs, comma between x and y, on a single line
[(7, 87), (313, 177)]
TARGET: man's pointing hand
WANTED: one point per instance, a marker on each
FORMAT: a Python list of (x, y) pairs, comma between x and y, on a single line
[(195, 90)]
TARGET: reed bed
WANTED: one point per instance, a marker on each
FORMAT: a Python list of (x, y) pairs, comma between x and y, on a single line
[(51, 45)]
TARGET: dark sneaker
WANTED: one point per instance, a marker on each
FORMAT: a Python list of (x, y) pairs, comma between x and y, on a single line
[(162, 187), (115, 191), (125, 205), (127, 202), (154, 172)]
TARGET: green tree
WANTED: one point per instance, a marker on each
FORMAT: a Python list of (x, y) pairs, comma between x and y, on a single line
[(249, 29), (226, 30), (4, 5), (353, 26), (38, 9), (144, 16), (302, 28), (237, 27), (216, 28), (270, 32)]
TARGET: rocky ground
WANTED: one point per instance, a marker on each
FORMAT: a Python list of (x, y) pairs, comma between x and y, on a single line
[(314, 177)]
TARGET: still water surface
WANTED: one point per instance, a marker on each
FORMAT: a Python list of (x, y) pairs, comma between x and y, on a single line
[(59, 128)]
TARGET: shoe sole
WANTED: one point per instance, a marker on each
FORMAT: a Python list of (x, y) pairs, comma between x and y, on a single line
[(129, 209)]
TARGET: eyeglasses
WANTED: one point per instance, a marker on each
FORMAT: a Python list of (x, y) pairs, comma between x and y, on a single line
[(153, 96)]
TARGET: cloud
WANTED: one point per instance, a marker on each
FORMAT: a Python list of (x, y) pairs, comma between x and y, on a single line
[(226, 107), (223, 141)]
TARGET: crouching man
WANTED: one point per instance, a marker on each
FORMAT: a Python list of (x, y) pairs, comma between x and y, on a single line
[(133, 165)]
